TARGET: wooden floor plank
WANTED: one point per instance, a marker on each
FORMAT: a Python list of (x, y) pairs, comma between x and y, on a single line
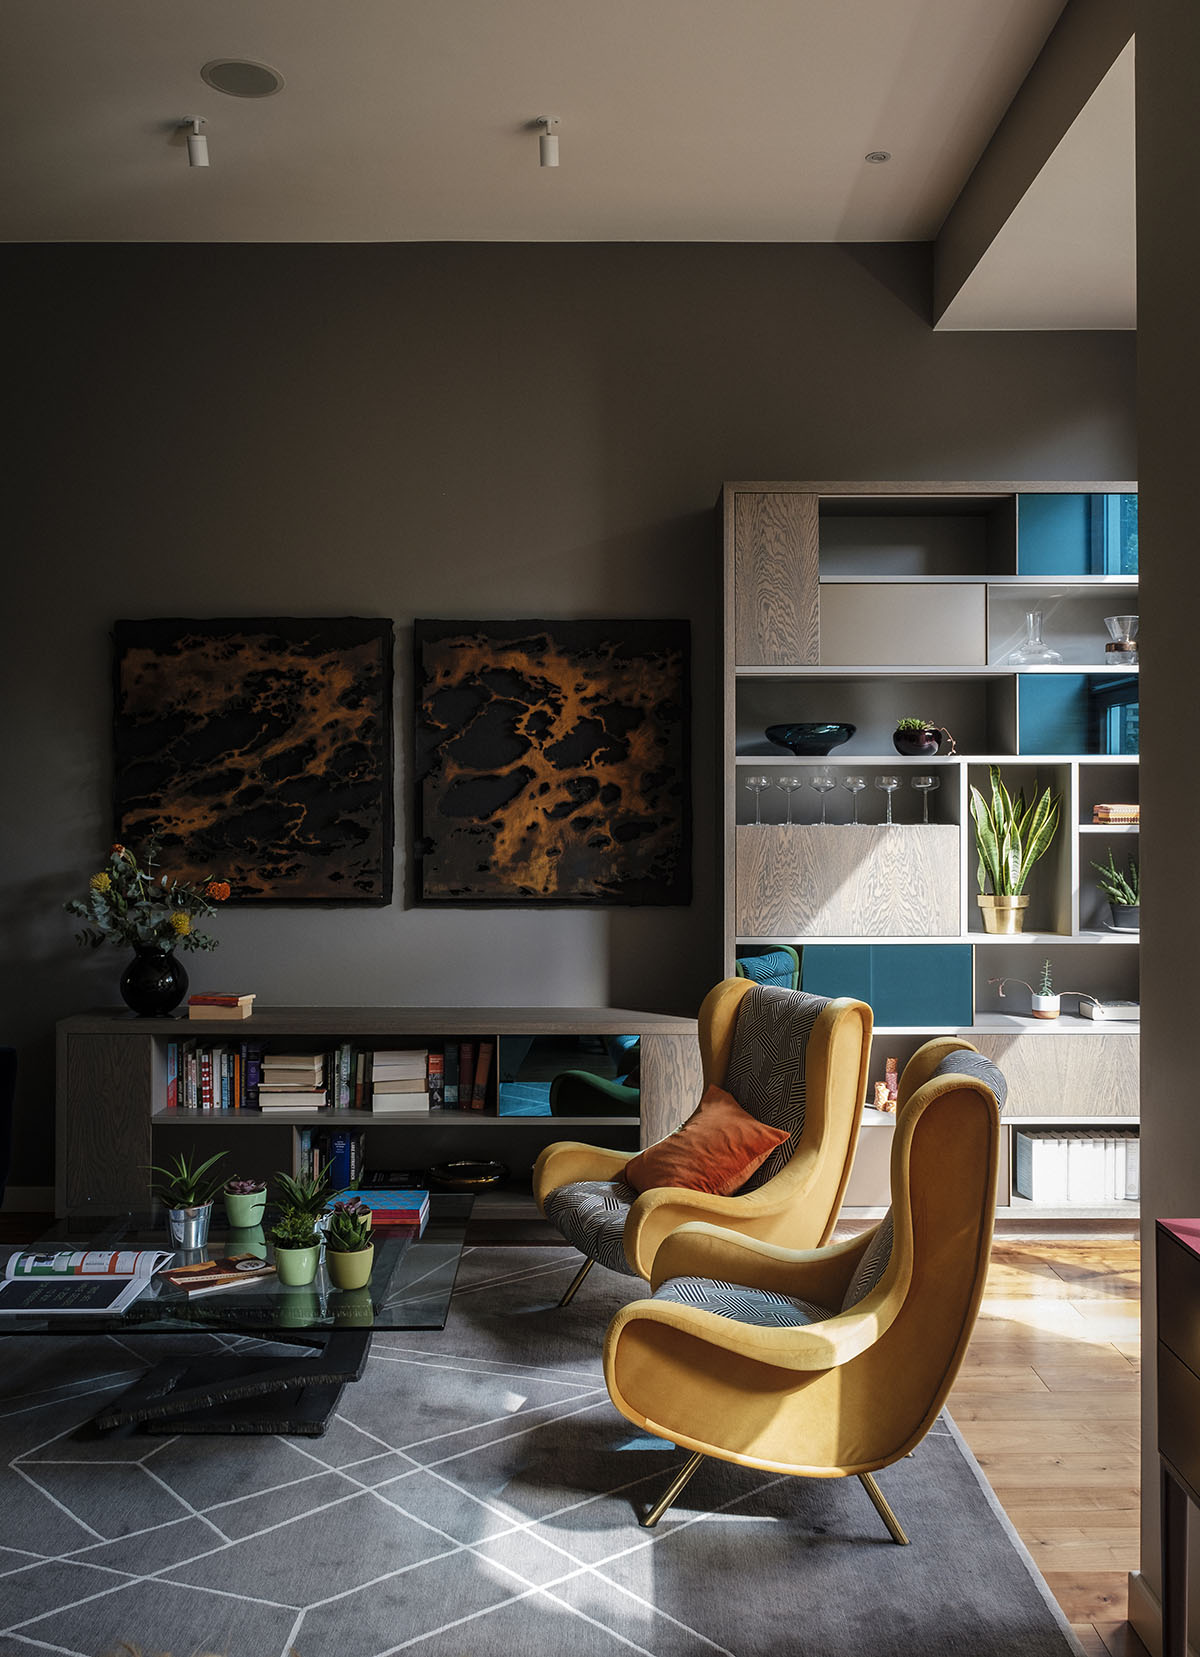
[(1049, 1401)]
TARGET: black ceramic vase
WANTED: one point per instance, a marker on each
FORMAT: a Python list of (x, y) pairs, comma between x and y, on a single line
[(154, 982)]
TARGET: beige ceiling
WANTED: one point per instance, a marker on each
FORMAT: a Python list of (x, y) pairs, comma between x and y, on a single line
[(408, 120), (403, 120)]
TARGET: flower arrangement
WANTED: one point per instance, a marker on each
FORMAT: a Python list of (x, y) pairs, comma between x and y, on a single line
[(127, 903)]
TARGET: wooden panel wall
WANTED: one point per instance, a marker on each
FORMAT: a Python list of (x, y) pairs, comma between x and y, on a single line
[(873, 880), (671, 1083), (775, 595)]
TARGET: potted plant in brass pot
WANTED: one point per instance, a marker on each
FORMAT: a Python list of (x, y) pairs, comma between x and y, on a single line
[(1009, 838), (349, 1250), (294, 1231)]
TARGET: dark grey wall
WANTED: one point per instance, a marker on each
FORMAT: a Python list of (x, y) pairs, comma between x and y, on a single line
[(1168, 154), (442, 431)]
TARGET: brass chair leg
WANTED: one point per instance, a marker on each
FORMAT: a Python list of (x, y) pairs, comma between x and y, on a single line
[(576, 1281), (676, 1485), (883, 1509)]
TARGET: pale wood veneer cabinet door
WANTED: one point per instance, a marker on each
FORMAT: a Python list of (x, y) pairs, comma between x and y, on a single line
[(106, 1121), (875, 880), (671, 1083), (1065, 1075), (775, 593)]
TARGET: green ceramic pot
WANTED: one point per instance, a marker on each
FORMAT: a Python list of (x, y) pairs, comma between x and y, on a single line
[(295, 1267), (245, 1208), (350, 1271)]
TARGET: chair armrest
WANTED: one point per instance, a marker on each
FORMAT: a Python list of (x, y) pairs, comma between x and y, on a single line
[(662, 1210), (567, 1161), (924, 1062), (820, 1275), (810, 1349)]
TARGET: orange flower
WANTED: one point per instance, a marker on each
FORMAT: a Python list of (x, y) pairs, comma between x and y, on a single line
[(217, 890)]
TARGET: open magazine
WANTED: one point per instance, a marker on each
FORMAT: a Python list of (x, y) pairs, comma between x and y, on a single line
[(78, 1280)]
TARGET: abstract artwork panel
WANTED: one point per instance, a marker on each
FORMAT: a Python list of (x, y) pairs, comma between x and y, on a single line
[(260, 751), (552, 761)]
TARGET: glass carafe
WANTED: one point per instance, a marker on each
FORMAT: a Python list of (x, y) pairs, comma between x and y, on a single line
[(1033, 651)]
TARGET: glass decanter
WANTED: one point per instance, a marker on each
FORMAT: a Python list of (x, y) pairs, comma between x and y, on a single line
[(1033, 651)]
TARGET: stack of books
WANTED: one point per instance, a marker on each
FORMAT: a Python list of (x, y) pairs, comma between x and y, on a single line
[(1116, 814), (220, 1004), (292, 1081), (398, 1082), (396, 1207)]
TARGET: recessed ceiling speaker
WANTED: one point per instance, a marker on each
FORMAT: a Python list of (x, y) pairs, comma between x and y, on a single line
[(240, 78)]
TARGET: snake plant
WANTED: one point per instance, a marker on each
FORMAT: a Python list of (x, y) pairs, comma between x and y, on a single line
[(1010, 836)]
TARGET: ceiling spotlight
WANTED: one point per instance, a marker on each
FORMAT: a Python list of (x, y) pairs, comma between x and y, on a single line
[(197, 143), (548, 142), (878, 156)]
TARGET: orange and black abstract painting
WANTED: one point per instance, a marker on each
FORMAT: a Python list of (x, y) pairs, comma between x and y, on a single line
[(260, 752), (552, 762)]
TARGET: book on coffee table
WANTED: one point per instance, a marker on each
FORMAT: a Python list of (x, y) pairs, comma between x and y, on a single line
[(231, 1271)]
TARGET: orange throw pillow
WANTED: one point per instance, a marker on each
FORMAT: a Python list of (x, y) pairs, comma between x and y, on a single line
[(716, 1150)]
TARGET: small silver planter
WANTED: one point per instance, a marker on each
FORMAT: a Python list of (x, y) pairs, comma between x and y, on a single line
[(189, 1226)]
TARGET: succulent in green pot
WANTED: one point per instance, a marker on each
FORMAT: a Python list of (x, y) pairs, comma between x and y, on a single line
[(245, 1201), (299, 1204), (349, 1250)]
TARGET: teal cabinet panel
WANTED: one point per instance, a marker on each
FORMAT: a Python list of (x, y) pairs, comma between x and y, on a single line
[(1077, 535), (906, 984), (1077, 713)]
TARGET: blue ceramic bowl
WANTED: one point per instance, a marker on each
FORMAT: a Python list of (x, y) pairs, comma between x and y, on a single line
[(810, 739)]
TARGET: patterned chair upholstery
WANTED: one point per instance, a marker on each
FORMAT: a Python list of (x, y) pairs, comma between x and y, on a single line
[(832, 1361), (794, 1061)]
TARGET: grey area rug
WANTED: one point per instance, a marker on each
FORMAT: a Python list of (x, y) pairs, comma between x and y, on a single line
[(477, 1493)]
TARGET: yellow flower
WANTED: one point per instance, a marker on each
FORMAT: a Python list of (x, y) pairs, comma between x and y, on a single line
[(181, 924), (100, 883)]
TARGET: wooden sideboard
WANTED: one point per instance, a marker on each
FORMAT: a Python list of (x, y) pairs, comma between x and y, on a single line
[(112, 1120)]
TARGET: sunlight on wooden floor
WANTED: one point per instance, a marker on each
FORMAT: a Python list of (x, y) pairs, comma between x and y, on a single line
[(1048, 1400)]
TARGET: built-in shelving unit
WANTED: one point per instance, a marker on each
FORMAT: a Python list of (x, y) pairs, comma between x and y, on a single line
[(867, 603)]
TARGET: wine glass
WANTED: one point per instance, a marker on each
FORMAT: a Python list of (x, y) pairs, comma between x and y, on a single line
[(789, 786), (822, 781), (757, 784), (889, 785), (854, 787), (925, 786)]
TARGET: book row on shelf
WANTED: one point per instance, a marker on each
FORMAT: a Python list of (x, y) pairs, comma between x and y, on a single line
[(408, 1081)]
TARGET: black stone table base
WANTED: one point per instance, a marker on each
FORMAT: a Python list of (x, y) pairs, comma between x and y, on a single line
[(235, 1393)]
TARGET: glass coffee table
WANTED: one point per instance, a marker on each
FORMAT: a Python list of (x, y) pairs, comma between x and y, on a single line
[(412, 1280)]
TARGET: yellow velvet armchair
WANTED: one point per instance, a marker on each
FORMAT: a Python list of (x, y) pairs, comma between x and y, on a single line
[(794, 1060), (834, 1361)]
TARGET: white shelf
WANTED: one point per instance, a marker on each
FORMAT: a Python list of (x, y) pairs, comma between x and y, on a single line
[(960, 670), (1108, 828), (1066, 1024), (1038, 583)]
